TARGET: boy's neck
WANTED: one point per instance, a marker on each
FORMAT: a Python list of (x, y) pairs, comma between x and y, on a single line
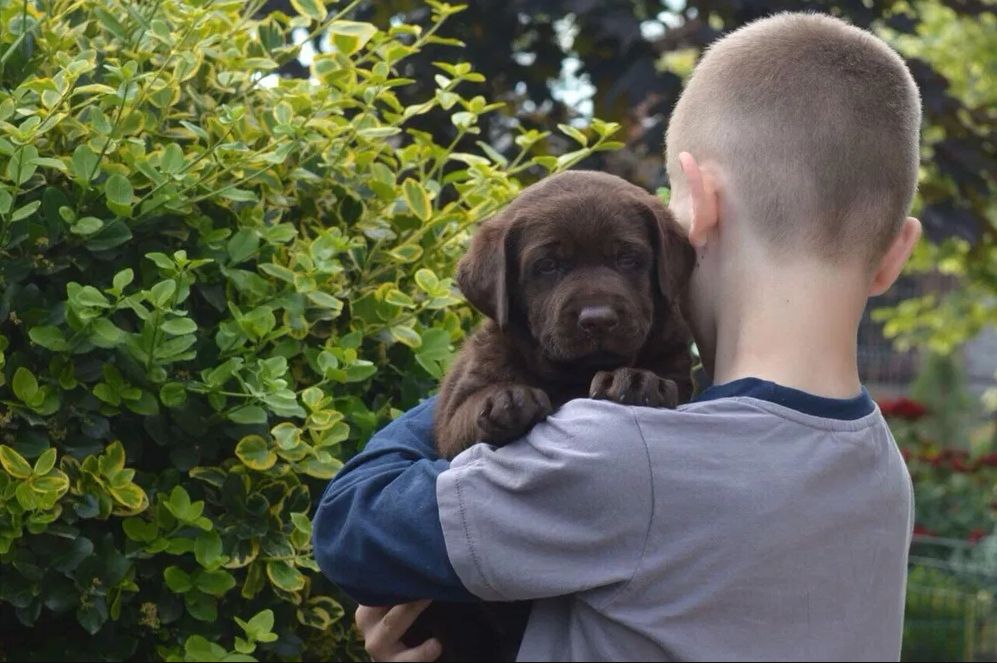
[(795, 326)]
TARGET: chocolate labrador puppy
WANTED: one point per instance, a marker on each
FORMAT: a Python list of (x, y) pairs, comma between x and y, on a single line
[(580, 279)]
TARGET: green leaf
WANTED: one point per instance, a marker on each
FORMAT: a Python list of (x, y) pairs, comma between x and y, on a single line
[(25, 211), (79, 549), (259, 626), (49, 337), (45, 462), (84, 162), (215, 583), (283, 113), (113, 234), (285, 576), (112, 460), (140, 530), (302, 523), (49, 162), (92, 616), (360, 371), (123, 279), (350, 36), (277, 271), (179, 326), (88, 296), (313, 9), (172, 160), (242, 245), (173, 394), (179, 505), (426, 280), (406, 335), (21, 165), (106, 334), (325, 300), (162, 261), (145, 404), (255, 453), (14, 463), (201, 606), (248, 414), (162, 292), (118, 190), (88, 225), (574, 133), (417, 199), (287, 435), (177, 580), (406, 253), (208, 550), (198, 648), (25, 385)]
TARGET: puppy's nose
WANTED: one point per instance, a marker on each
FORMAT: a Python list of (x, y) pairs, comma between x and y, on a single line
[(598, 319)]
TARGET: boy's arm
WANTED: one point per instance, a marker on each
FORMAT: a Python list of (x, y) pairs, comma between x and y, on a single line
[(565, 509), (377, 531)]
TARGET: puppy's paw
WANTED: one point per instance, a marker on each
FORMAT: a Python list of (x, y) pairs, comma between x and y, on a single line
[(634, 386), (510, 411)]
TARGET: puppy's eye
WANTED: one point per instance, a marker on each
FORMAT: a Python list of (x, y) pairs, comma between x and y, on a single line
[(628, 260), (546, 266)]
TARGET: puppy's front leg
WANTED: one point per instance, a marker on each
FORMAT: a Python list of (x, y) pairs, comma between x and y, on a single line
[(634, 386), (495, 414)]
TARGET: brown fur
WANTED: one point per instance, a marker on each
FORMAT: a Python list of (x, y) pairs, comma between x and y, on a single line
[(616, 247)]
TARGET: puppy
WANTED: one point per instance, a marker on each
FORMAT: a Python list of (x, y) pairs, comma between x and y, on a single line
[(580, 279)]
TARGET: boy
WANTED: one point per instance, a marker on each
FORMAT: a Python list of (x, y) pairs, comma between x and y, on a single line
[(770, 518)]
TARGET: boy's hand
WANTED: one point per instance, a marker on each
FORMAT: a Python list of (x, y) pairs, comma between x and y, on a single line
[(383, 629)]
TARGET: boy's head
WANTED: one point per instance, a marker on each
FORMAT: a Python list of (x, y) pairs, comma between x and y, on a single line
[(813, 125), (793, 159)]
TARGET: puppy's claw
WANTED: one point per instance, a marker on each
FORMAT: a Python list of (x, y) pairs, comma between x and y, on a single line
[(634, 386), (510, 411)]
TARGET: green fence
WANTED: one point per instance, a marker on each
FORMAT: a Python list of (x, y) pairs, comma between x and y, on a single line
[(951, 607)]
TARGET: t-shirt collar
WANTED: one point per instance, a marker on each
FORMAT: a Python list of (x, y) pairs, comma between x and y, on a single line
[(830, 408)]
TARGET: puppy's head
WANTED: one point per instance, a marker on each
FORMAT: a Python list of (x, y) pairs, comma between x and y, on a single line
[(585, 262)]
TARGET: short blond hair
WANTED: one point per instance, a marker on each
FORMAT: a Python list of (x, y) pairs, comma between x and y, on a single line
[(814, 124)]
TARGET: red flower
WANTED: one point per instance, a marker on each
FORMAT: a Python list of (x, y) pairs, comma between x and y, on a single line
[(976, 535), (906, 454), (990, 460), (960, 461), (921, 530), (902, 407)]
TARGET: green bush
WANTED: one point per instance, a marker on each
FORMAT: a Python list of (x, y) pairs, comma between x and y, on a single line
[(214, 285)]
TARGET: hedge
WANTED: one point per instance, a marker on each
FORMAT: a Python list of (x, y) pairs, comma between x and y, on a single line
[(215, 284)]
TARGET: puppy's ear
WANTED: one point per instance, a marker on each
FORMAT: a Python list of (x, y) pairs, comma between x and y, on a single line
[(674, 255), (483, 272)]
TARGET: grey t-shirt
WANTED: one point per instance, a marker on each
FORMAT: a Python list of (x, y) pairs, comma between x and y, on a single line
[(730, 529)]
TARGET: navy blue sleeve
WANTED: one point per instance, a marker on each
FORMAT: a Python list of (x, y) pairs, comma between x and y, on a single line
[(377, 531)]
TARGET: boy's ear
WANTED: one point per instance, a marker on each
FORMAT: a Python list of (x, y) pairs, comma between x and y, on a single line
[(702, 193), (483, 272), (892, 263)]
